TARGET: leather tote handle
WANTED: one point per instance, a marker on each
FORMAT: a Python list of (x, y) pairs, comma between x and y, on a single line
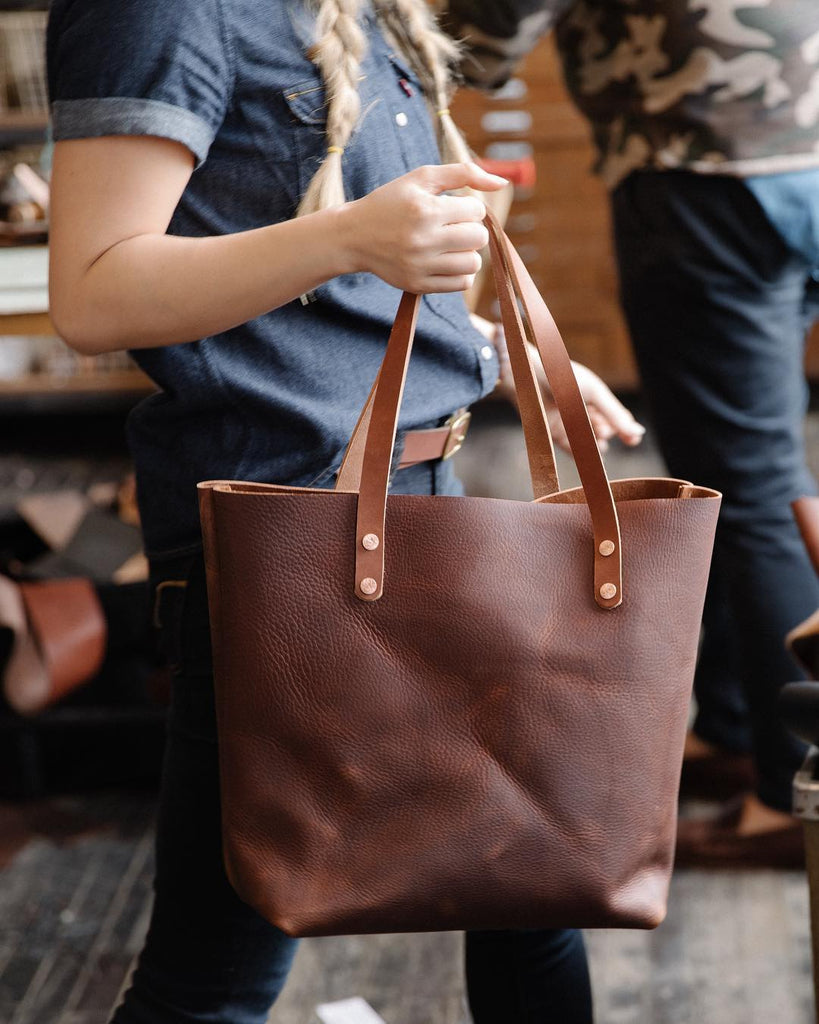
[(366, 467), (539, 446), (542, 331)]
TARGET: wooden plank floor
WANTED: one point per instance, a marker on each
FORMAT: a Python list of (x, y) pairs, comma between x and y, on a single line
[(73, 912), (74, 904), (735, 949), (75, 898)]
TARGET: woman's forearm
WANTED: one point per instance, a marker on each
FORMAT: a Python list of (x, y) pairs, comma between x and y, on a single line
[(119, 281), (154, 289)]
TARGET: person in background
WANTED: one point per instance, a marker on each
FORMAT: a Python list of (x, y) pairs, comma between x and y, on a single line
[(705, 118), (239, 191)]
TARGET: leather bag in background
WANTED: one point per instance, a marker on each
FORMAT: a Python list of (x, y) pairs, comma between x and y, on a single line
[(447, 712)]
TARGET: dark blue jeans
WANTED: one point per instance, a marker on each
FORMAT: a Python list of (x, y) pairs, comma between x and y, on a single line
[(718, 303), (208, 956)]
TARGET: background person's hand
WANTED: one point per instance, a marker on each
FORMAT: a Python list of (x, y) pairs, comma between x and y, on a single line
[(609, 417), (416, 238)]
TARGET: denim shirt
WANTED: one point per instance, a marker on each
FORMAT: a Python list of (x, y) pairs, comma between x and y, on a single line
[(791, 203), (276, 398)]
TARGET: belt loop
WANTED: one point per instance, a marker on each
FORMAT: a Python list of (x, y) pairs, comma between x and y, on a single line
[(158, 593)]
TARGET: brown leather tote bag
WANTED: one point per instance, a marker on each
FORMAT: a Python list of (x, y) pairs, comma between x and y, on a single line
[(449, 712)]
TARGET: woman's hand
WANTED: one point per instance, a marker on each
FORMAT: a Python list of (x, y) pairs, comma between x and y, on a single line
[(609, 417), (414, 237), (119, 280)]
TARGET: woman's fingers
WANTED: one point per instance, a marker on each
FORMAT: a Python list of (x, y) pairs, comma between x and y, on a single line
[(415, 237), (561, 438), (487, 328), (455, 264), (603, 430), (609, 416), (449, 283), (460, 210), (601, 425), (463, 237), (449, 177)]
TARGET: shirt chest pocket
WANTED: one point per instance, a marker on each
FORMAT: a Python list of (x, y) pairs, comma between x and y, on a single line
[(307, 103), (306, 111), (393, 134)]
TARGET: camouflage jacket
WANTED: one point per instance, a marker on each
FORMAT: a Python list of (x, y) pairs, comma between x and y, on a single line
[(716, 86)]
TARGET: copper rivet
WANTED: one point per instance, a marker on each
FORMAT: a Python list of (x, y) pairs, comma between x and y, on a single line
[(606, 548), (368, 585), (370, 541), (608, 591)]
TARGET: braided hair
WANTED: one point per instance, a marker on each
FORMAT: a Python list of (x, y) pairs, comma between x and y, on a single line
[(338, 52)]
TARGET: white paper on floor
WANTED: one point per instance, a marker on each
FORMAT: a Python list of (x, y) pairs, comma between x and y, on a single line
[(348, 1011)]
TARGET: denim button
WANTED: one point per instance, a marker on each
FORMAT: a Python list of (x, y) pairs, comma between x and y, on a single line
[(487, 352), (401, 119)]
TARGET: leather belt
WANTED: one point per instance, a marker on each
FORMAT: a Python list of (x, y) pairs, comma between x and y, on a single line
[(437, 442)]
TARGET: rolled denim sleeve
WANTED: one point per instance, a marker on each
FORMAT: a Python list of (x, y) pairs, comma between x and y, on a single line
[(139, 67)]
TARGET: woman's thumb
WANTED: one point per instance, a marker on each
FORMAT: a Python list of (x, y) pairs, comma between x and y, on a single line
[(449, 177)]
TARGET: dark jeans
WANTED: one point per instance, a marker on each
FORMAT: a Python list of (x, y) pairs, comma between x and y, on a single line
[(718, 304), (209, 957)]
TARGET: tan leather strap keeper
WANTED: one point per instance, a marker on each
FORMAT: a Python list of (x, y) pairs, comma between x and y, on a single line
[(437, 442)]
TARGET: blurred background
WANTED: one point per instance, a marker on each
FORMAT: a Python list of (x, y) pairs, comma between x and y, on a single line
[(78, 776)]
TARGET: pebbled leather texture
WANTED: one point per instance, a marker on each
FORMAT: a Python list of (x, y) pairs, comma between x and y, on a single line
[(482, 745)]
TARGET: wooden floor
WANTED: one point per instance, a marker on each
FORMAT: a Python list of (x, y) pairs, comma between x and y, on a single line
[(74, 905), (75, 898)]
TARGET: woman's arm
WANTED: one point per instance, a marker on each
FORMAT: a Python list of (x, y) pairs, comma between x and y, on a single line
[(607, 414), (118, 281)]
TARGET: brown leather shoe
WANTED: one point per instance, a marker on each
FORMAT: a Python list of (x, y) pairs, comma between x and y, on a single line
[(716, 843), (716, 776)]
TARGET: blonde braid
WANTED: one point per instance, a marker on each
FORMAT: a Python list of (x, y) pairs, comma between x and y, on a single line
[(338, 52), (413, 29)]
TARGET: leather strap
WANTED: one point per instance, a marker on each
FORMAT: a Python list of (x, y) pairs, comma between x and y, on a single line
[(378, 448), (539, 447), (419, 445), (434, 443), (543, 332), (367, 462), (348, 477)]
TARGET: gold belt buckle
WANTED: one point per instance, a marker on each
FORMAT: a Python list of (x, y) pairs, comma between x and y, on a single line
[(458, 424)]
